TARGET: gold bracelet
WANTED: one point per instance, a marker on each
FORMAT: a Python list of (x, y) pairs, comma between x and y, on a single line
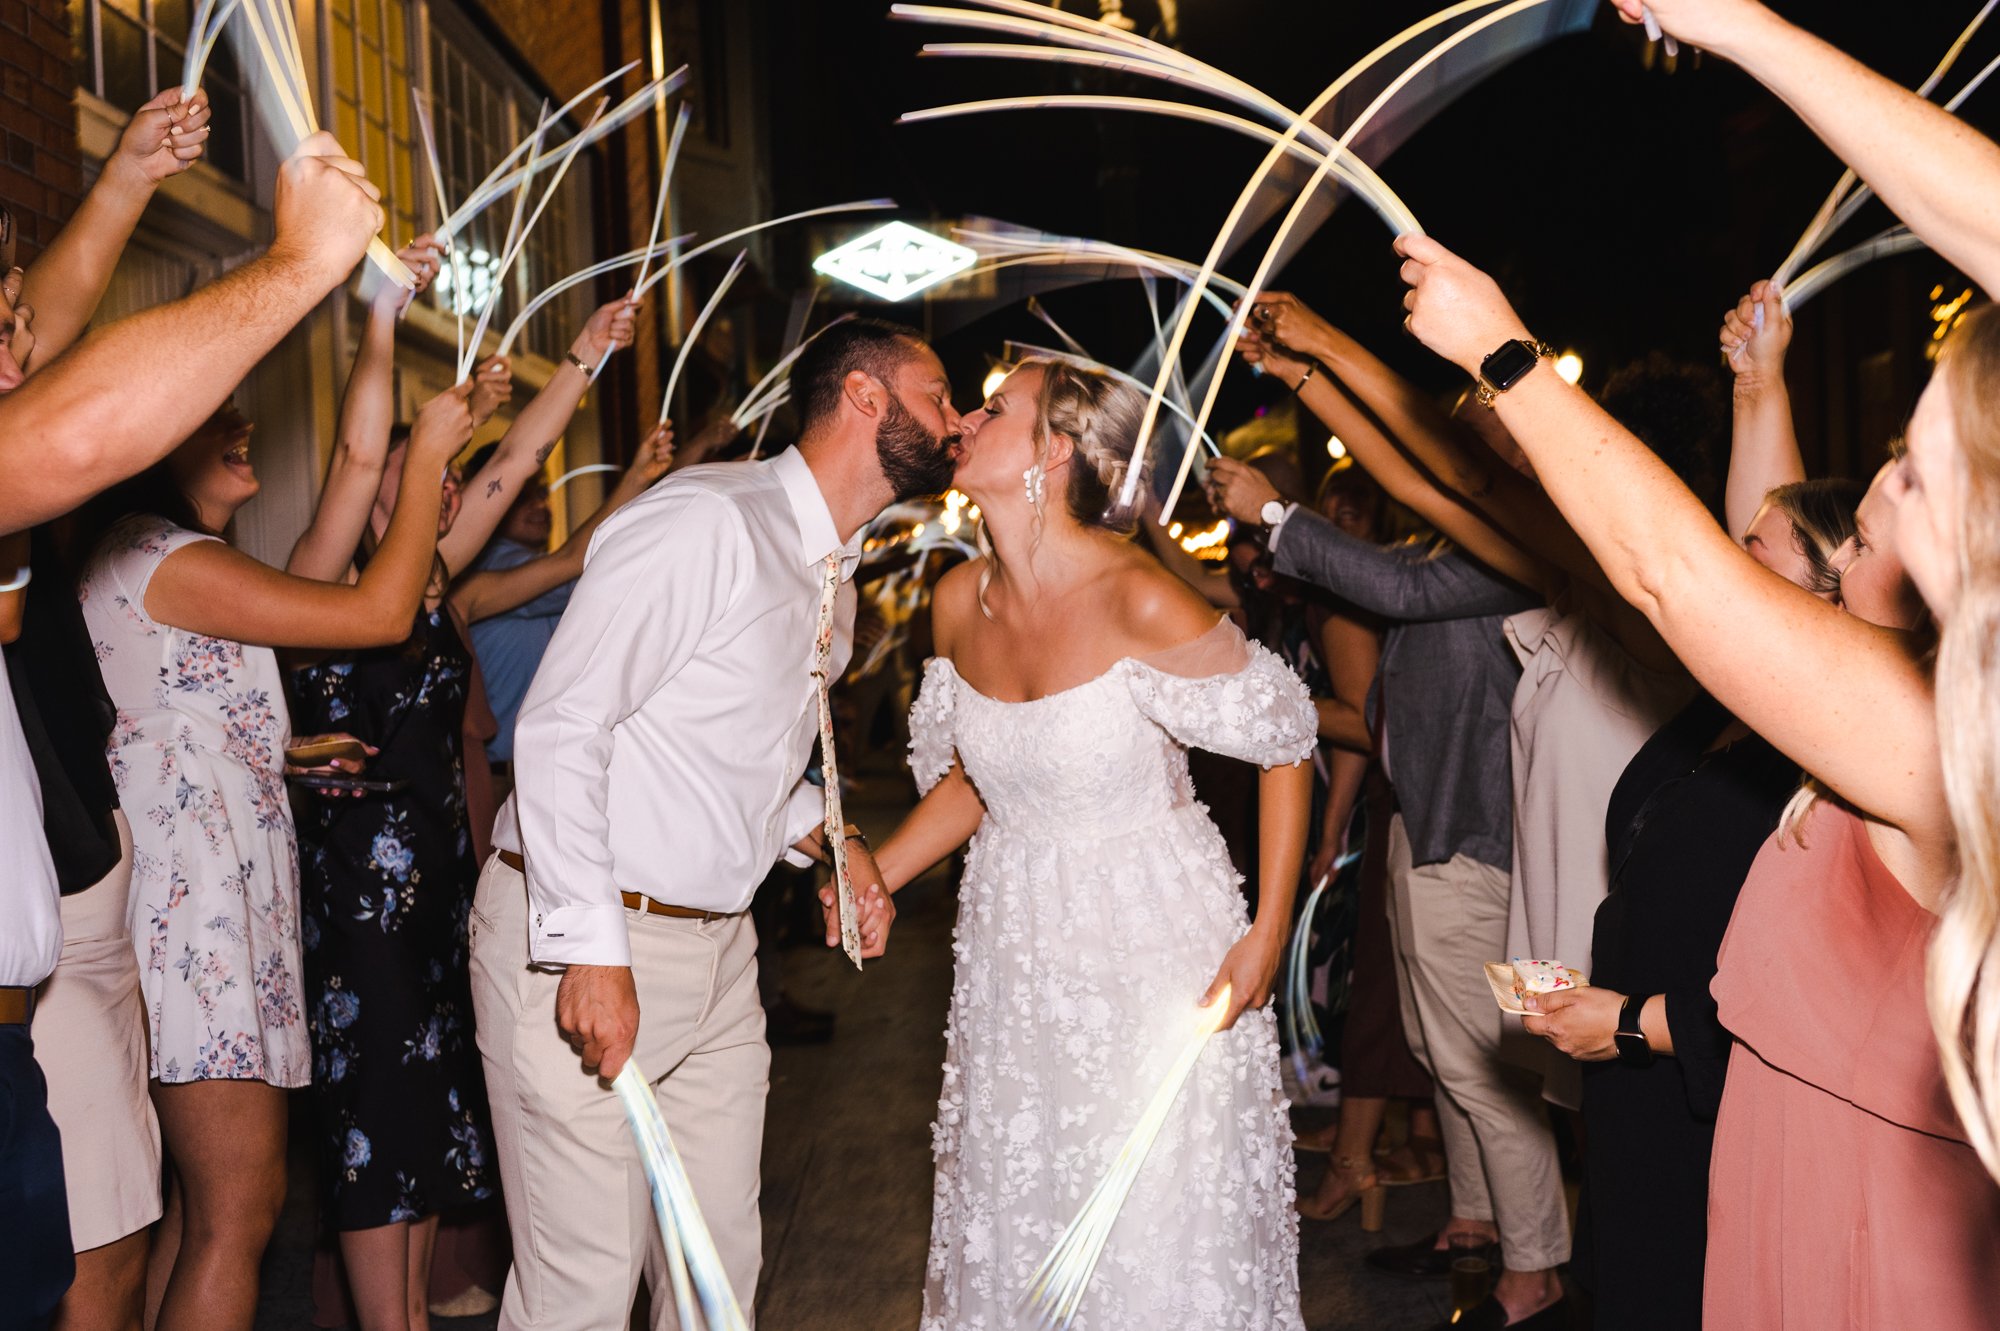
[(580, 362)]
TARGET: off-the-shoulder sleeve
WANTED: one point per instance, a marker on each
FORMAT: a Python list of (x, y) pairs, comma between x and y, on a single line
[(933, 744), (1229, 696)]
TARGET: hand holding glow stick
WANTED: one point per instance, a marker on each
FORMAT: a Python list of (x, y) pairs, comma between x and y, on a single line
[(694, 333), (204, 29)]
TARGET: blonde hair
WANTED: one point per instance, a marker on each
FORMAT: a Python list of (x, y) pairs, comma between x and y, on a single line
[(1099, 413), (1964, 972)]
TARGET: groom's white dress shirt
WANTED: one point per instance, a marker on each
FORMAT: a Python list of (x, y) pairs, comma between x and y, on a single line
[(30, 919), (662, 747)]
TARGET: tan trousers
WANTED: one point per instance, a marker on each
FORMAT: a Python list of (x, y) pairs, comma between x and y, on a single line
[(577, 1203), (1446, 922)]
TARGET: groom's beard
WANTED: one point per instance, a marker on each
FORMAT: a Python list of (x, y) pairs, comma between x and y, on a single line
[(914, 461)]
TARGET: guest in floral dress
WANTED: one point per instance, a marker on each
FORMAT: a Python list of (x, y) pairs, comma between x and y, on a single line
[(181, 625)]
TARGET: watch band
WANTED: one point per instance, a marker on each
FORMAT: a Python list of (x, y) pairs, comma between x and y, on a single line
[(579, 362), (1487, 392), (1633, 1046)]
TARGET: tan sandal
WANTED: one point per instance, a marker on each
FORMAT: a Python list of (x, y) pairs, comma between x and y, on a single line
[(1361, 1188)]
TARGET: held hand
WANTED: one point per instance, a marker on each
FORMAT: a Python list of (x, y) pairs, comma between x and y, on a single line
[(423, 257), (874, 912), (1579, 1022), (611, 327), (597, 1010), (1323, 860), (327, 210), (1248, 970), (1239, 489), (713, 438), (655, 456), (492, 389), (1455, 310), (1707, 23), (166, 136), (338, 767), (1282, 319), (1256, 349), (1755, 337), (443, 426)]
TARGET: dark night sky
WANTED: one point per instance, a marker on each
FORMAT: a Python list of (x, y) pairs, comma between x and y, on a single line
[(1622, 208)]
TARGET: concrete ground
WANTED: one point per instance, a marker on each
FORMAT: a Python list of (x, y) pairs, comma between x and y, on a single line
[(847, 1161)]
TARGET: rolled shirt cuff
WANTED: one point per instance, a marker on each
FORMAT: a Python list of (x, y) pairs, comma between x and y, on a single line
[(805, 809), (578, 936), (1278, 529)]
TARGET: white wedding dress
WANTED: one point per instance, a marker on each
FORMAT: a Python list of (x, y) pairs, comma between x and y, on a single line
[(1097, 904)]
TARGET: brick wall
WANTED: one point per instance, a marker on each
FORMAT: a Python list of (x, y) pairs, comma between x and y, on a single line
[(41, 169)]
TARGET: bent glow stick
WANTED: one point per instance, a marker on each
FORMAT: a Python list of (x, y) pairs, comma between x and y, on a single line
[(269, 23), (773, 381), (666, 178), (470, 354), (574, 472), (683, 1231), (577, 278), (1017, 351), (1055, 1292), (694, 333), (1896, 240), (204, 30), (1304, 200)]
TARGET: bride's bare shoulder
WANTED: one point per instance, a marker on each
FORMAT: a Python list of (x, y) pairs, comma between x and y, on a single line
[(1155, 608), (955, 596)]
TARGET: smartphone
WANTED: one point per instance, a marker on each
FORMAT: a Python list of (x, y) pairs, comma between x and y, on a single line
[(320, 752), (349, 784)]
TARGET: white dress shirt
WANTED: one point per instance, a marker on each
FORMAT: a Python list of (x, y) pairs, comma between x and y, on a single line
[(30, 907), (662, 747)]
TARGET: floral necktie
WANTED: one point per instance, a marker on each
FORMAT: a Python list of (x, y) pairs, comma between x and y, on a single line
[(836, 826)]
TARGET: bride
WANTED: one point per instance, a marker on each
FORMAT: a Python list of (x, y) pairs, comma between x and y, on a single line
[(1099, 907)]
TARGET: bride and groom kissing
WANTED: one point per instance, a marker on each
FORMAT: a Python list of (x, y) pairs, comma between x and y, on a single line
[(670, 727)]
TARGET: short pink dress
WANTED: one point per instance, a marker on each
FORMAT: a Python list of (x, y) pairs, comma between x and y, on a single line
[(1842, 1193)]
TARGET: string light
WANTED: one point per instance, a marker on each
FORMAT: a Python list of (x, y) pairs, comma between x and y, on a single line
[(1335, 449), (994, 378), (1569, 365)]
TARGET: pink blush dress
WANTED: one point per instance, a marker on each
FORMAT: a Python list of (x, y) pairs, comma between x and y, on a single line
[(1842, 1193)]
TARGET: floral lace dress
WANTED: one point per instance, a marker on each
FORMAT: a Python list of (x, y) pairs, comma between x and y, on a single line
[(1097, 904), (197, 754)]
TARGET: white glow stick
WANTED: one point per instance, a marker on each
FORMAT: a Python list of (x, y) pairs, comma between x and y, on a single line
[(1065, 257), (204, 30), (1896, 240), (1304, 200), (666, 177), (468, 357), (270, 27), (1055, 1292), (682, 1228), (427, 132), (1297, 984), (582, 275), (1017, 351), (865, 205), (775, 377), (1036, 308), (1654, 33), (694, 333), (574, 472)]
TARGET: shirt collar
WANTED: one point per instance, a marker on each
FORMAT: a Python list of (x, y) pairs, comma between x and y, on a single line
[(818, 537)]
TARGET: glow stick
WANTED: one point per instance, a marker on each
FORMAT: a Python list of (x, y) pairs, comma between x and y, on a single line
[(428, 133), (1017, 351), (1036, 308), (557, 288), (864, 205), (1055, 1291), (1827, 220), (694, 333), (1654, 33), (666, 177), (574, 472), (682, 1229), (278, 48), (471, 352), (1896, 240), (1064, 258), (204, 30), (1299, 206)]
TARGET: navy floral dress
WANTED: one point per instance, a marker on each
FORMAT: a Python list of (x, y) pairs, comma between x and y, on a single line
[(386, 885)]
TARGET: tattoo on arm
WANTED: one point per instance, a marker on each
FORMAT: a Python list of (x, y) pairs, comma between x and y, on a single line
[(493, 487), (542, 454)]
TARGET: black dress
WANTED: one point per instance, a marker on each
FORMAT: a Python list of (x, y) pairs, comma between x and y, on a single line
[(1683, 825), (385, 888)]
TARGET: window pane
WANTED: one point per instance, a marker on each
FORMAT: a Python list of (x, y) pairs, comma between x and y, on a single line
[(346, 125), (371, 80), (83, 43), (375, 156), (370, 14), (399, 41), (170, 19), (127, 7), (127, 85), (343, 56)]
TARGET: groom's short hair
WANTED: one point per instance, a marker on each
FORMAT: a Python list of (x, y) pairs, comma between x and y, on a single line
[(873, 346)]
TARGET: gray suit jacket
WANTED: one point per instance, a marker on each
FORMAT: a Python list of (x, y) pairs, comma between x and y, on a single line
[(1443, 695)]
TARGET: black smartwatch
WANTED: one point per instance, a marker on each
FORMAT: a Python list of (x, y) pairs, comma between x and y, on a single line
[(1507, 366), (1633, 1051)]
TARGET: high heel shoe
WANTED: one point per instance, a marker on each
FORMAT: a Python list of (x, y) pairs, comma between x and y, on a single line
[(1426, 1155), (1360, 1187)]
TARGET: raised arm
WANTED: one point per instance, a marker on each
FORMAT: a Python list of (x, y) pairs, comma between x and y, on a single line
[(126, 394), (164, 138), (1934, 171), (533, 436), (1763, 447), (207, 587), (361, 436), (489, 592), (1751, 637)]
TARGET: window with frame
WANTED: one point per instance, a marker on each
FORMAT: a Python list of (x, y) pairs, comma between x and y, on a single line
[(129, 50), (367, 71)]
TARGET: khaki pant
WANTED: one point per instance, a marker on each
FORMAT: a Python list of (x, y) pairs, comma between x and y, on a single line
[(577, 1201), (1446, 922)]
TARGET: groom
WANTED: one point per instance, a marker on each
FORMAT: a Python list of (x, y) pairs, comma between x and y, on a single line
[(660, 758)]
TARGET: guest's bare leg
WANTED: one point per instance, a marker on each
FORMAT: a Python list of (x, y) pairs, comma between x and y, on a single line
[(423, 1243), (227, 1142), (109, 1293)]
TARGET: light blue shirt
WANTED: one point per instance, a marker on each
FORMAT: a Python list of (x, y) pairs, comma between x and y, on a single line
[(510, 646)]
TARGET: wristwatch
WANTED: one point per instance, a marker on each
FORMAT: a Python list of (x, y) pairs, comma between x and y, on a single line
[(1633, 1051), (1508, 365), (1272, 513)]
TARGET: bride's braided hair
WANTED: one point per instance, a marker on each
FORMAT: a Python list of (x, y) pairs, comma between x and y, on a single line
[(1099, 413)]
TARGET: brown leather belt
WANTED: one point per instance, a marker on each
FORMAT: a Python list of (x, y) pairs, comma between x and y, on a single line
[(637, 901), (17, 1005)]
